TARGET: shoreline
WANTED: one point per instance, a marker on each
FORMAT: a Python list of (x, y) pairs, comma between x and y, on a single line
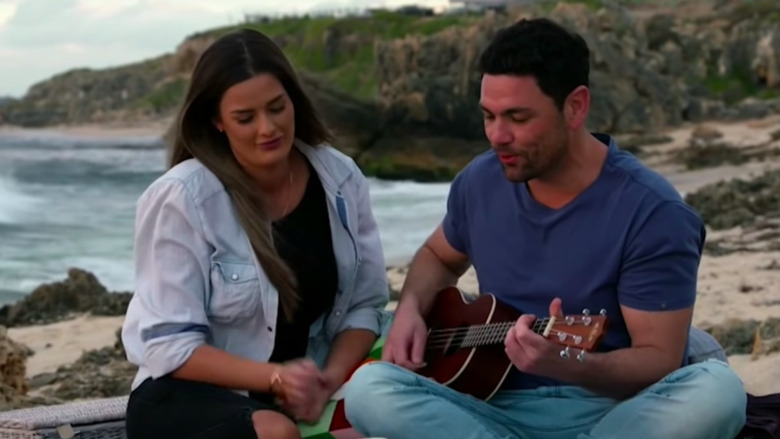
[(94, 130)]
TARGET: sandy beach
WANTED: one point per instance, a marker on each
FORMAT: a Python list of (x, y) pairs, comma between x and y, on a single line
[(62, 343), (94, 131), (738, 285)]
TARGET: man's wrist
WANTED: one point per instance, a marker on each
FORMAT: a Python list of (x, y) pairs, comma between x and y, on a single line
[(578, 372), (409, 302)]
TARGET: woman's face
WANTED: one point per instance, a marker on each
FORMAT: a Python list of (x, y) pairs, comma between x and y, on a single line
[(258, 118)]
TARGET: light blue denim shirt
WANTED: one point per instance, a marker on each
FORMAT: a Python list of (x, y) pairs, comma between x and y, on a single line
[(199, 282)]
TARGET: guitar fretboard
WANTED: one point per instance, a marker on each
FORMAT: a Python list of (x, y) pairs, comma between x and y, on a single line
[(480, 335)]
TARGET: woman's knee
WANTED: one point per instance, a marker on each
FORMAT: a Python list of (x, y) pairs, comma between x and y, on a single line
[(270, 424)]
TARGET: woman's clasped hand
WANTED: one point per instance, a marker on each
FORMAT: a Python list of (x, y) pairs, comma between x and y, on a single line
[(302, 389)]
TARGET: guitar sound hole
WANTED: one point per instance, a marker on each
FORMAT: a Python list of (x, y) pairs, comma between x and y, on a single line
[(451, 348), (454, 344)]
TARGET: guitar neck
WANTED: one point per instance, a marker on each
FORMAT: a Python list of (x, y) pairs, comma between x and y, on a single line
[(494, 333)]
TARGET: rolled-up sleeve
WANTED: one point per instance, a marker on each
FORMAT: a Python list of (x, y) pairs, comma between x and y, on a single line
[(172, 266), (367, 309)]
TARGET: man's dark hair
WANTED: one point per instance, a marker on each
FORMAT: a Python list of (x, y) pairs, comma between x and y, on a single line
[(557, 58)]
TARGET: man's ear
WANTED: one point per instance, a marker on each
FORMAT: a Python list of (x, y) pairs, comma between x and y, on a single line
[(576, 106)]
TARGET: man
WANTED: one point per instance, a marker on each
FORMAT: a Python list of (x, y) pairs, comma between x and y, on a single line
[(555, 220)]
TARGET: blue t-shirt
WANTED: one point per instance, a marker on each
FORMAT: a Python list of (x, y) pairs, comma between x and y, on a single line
[(628, 239)]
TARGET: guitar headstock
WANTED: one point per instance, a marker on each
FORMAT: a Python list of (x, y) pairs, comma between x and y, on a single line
[(583, 332)]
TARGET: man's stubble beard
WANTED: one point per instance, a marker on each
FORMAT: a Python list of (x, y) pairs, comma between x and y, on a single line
[(530, 172)]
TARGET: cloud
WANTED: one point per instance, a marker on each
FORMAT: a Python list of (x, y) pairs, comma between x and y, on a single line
[(38, 40), (7, 10)]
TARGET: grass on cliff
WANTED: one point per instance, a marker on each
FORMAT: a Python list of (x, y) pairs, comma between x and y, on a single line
[(737, 86), (342, 49)]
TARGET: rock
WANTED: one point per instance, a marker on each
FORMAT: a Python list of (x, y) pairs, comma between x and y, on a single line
[(356, 123), (748, 336), (111, 304), (81, 292), (766, 59), (707, 149), (100, 373), (137, 91), (706, 133), (412, 87), (708, 154), (738, 202), (13, 384), (394, 294), (43, 379), (634, 143), (428, 85)]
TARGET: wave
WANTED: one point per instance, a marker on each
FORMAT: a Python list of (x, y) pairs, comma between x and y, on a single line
[(59, 143), (14, 204), (79, 173)]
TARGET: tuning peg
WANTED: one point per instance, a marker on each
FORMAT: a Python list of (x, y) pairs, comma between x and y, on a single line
[(569, 320), (565, 353), (603, 312), (586, 312), (581, 356)]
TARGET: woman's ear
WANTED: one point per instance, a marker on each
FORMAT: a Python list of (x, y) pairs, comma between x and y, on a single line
[(218, 126)]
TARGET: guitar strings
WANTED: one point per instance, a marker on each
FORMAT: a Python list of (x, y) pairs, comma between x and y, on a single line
[(459, 342), (480, 333), (477, 334), (446, 333)]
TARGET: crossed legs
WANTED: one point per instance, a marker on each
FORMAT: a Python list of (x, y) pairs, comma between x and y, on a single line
[(702, 401)]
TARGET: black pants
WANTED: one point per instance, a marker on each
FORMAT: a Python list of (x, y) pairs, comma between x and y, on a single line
[(169, 408)]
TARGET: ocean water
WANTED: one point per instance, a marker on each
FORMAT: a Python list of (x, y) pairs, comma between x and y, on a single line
[(68, 201)]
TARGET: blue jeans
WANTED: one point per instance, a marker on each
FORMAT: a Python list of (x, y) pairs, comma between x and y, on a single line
[(705, 400)]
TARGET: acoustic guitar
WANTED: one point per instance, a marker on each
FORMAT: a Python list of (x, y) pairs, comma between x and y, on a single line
[(465, 343)]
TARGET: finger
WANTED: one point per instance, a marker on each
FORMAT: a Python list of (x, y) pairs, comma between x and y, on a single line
[(303, 370), (418, 347), (402, 352), (308, 366), (296, 396), (555, 308), (510, 336), (514, 351), (525, 320), (523, 325), (387, 354), (511, 347)]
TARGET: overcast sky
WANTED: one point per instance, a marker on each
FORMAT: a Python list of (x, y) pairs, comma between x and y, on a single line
[(39, 38)]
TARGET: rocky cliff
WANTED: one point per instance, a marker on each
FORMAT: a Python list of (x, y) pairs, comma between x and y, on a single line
[(649, 70), (135, 92), (401, 90)]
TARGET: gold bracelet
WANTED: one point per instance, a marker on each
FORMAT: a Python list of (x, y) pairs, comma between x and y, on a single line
[(277, 384)]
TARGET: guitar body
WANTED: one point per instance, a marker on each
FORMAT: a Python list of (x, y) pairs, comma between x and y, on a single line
[(478, 371)]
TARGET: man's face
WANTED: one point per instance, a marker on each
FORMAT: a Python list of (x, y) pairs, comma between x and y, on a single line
[(525, 128)]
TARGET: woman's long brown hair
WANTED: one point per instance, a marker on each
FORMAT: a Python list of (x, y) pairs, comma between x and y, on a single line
[(232, 59)]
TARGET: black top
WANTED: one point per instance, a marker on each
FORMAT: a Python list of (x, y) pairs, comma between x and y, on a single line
[(303, 240)]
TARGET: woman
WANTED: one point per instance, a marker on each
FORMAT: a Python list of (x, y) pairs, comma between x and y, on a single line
[(260, 279)]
